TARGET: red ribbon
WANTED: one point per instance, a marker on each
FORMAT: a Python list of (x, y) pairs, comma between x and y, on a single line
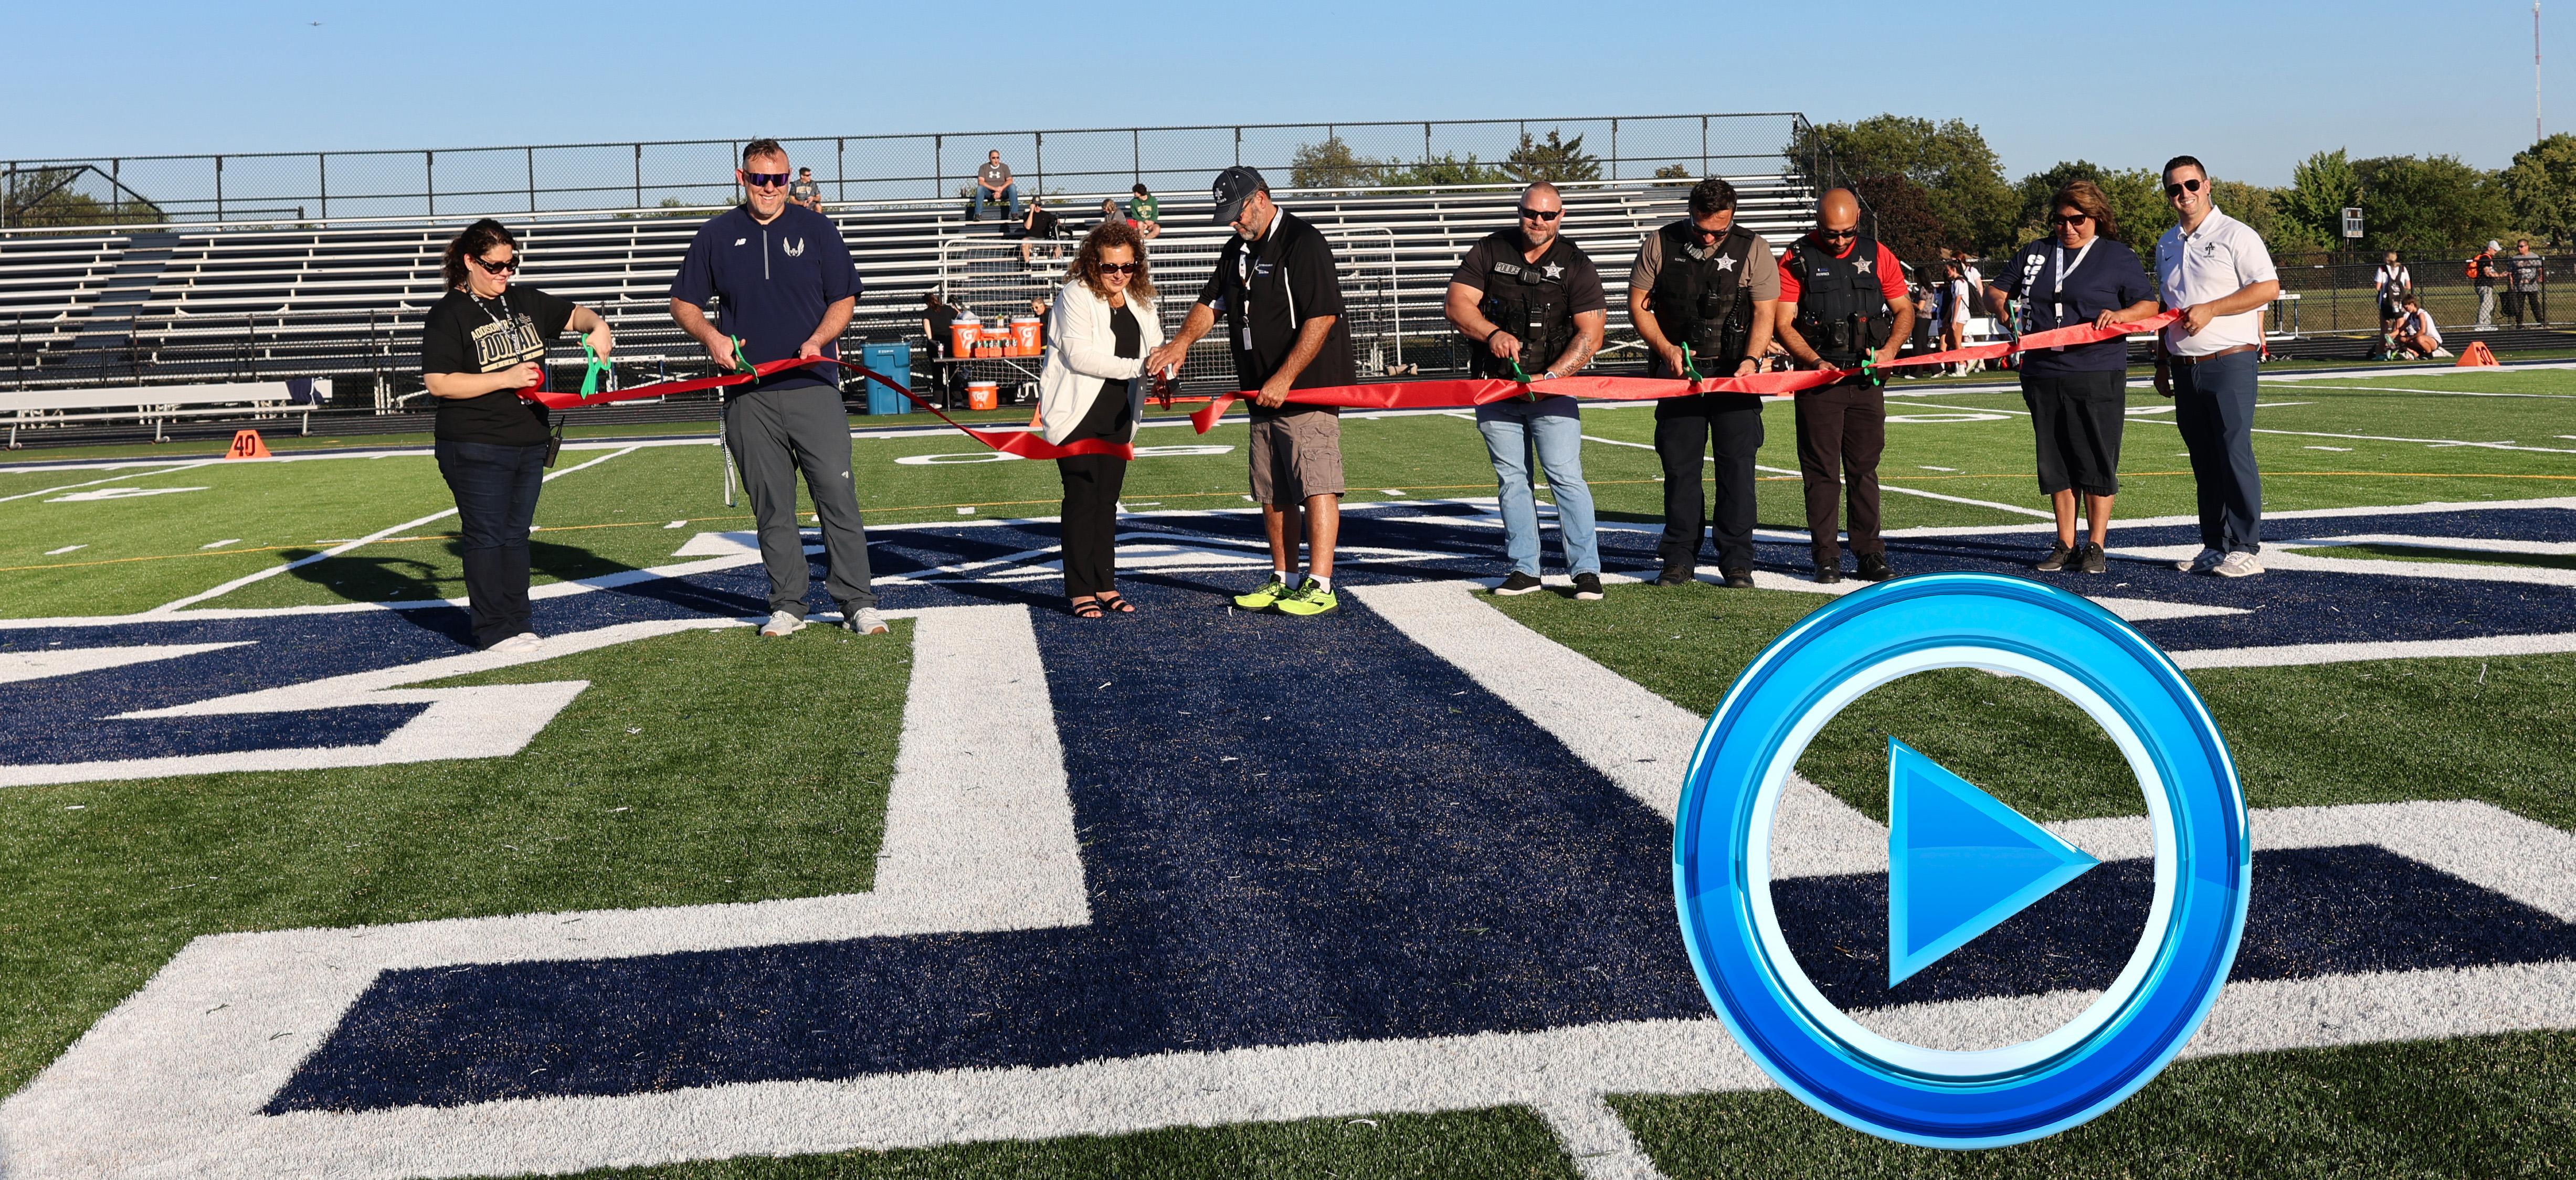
[(1454, 394), (1027, 444)]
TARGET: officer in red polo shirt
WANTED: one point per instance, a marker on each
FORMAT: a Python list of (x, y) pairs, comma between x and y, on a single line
[(1843, 305)]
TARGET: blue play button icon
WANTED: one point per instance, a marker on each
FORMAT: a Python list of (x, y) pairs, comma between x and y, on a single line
[(1959, 862)]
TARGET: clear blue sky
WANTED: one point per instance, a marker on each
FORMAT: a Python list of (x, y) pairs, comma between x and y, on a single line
[(2247, 85)]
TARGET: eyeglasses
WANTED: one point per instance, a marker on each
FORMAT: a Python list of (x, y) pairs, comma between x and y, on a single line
[(2070, 219), (1529, 214), (765, 179), (1837, 235), (1118, 268), (510, 266), (2179, 188)]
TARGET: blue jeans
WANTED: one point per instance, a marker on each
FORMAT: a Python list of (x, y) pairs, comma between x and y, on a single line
[(2214, 407), (1559, 433), (1010, 198), (496, 500)]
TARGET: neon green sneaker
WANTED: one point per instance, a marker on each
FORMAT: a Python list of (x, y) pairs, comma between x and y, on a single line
[(1308, 600), (1266, 597)]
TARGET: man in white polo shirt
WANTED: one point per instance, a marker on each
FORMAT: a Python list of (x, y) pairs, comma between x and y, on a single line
[(2218, 273)]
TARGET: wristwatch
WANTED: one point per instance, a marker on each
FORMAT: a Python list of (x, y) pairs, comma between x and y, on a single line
[(1549, 375)]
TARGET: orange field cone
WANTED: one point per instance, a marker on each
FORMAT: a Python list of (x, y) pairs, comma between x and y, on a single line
[(2476, 356), (246, 444)]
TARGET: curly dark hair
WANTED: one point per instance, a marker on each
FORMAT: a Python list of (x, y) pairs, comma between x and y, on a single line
[(1086, 259), (477, 238)]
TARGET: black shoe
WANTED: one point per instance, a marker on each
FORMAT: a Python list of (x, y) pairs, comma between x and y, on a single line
[(1827, 575), (2059, 555), (1873, 568), (1675, 575), (1587, 587), (1518, 583), (2093, 560), (1739, 579)]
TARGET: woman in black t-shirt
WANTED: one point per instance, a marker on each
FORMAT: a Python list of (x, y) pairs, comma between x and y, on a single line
[(479, 346)]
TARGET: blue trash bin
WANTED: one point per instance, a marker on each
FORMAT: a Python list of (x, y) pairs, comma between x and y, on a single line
[(895, 361)]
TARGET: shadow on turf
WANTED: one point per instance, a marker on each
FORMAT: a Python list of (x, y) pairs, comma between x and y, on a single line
[(383, 578)]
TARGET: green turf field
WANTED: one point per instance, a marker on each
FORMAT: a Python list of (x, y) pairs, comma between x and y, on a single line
[(109, 880)]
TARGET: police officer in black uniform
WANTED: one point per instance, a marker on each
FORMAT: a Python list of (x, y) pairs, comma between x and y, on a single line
[(1702, 295), (1843, 305), (1531, 304)]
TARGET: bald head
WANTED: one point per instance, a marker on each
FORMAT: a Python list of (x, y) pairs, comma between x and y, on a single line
[(1541, 211), (1838, 209)]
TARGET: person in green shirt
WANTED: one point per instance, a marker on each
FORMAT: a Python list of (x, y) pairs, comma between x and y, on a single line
[(1146, 212)]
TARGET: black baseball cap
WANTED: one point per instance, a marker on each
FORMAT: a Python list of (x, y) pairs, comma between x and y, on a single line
[(1233, 187)]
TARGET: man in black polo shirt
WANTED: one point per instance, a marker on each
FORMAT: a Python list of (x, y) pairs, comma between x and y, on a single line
[(788, 287), (1281, 292)]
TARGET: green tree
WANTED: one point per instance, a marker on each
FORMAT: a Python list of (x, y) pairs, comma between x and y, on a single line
[(1447, 168), (54, 196), (2260, 209), (1332, 164), (1552, 159), (2428, 204), (1676, 172), (1901, 216), (2138, 208), (1949, 161), (2540, 184), (2321, 187)]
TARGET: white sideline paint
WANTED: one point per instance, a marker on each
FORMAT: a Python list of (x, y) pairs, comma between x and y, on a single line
[(2297, 654), (336, 550), (110, 479), (2418, 541), (37, 665), (979, 836), (2277, 557)]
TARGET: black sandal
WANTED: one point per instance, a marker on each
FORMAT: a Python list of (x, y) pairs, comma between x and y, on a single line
[(1115, 601), (1086, 608)]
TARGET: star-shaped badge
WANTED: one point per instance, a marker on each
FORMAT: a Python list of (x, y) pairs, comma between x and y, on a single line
[(1555, 271), (1725, 263), (1862, 265)]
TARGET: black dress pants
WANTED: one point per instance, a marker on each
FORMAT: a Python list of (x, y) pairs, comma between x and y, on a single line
[(1842, 429), (1091, 487), (1730, 426)]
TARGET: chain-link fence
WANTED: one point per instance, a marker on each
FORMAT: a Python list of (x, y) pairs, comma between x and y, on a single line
[(313, 187), (2337, 292)]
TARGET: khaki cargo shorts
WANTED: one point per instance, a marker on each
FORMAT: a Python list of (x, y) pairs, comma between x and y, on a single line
[(1296, 455)]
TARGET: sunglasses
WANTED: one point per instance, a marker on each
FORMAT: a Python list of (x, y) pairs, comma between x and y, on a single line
[(2178, 189), (765, 179), (1837, 235), (1529, 214), (2070, 219), (499, 268), (1118, 268)]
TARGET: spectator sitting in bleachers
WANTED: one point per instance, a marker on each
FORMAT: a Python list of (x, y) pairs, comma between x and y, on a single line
[(1145, 212), (993, 187), (2415, 334), (1110, 212), (1041, 226)]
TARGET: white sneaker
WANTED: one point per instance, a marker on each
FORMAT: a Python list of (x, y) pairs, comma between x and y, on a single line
[(782, 623), (2207, 561), (2239, 564), (523, 641), (865, 621)]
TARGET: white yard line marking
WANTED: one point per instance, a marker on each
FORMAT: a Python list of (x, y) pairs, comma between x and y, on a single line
[(1597, 1139), (2015, 509), (111, 479), (2437, 442), (2442, 392), (2300, 654), (978, 837), (220, 544), (2278, 557), (46, 662), (66, 549), (168, 608), (2419, 541)]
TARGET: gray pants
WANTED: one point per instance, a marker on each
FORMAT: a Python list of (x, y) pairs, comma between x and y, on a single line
[(2214, 407), (776, 433), (2486, 309)]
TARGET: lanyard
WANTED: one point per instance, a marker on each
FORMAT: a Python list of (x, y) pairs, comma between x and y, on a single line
[(2057, 292)]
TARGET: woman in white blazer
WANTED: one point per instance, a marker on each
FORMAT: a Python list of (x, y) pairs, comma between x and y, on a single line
[(1103, 325)]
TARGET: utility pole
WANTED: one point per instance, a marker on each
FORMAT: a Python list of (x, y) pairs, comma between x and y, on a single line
[(2535, 71)]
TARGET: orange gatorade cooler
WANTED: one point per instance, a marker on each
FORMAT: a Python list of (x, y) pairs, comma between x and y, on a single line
[(963, 334), (983, 395), (1024, 335)]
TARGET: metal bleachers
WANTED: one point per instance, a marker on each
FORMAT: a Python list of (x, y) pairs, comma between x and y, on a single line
[(344, 300)]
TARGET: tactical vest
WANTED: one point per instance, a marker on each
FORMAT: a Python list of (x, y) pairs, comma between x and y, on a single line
[(1528, 300), (1702, 302), (1841, 311)]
